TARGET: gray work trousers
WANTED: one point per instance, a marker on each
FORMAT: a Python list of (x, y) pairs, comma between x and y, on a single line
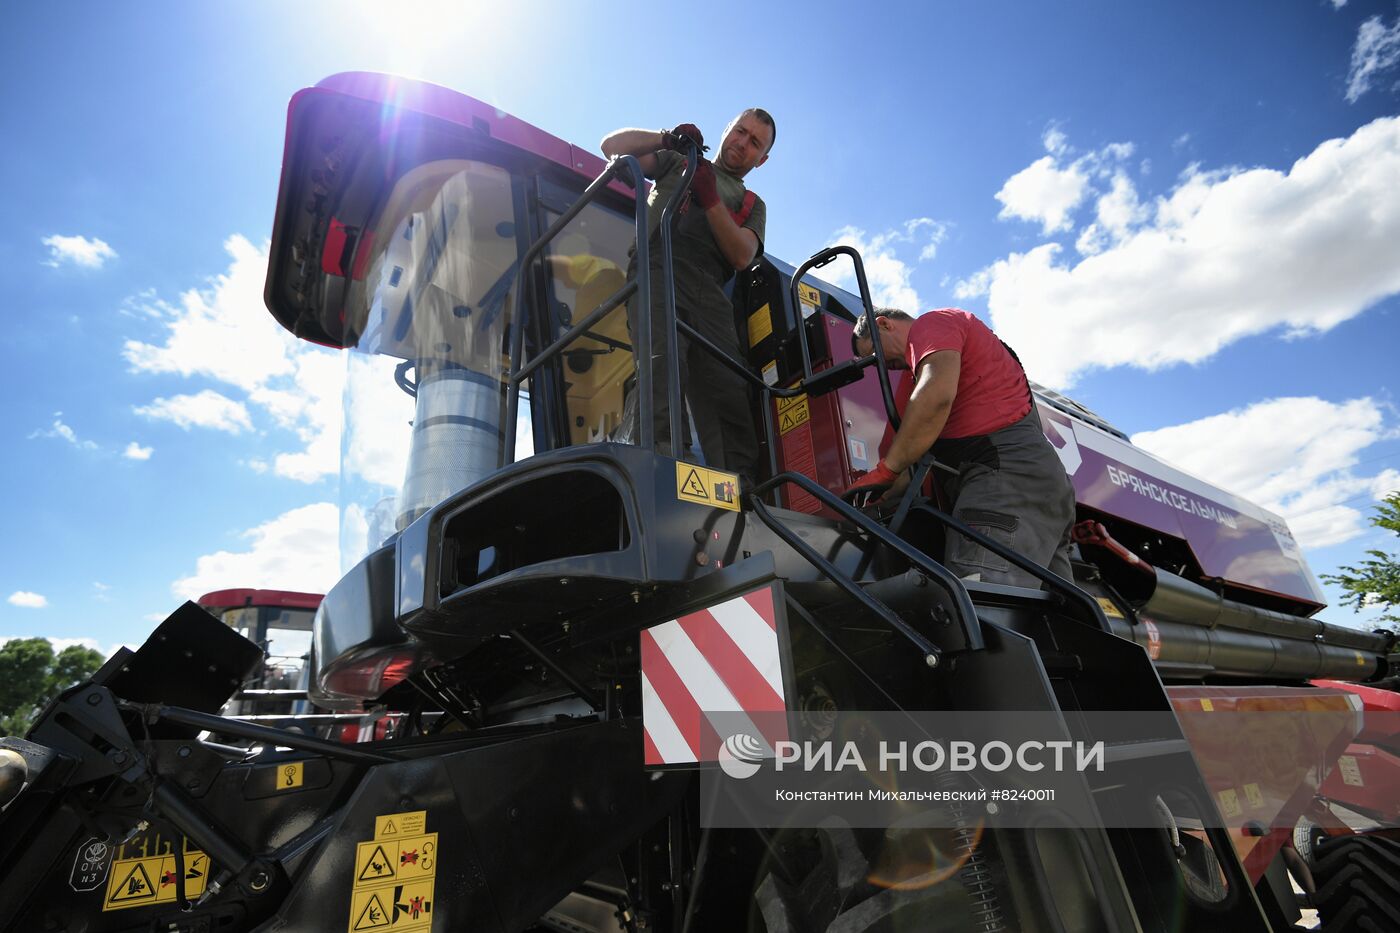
[(1019, 496)]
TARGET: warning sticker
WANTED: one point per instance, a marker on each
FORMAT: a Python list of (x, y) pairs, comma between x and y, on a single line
[(401, 824), (707, 487), (394, 871), (1207, 706), (395, 859), (760, 325), (770, 373), (401, 907), (368, 913), (811, 298), (1110, 608), (1351, 771), (1229, 802), (290, 775), (139, 882), (1254, 795), (792, 413), (1154, 638)]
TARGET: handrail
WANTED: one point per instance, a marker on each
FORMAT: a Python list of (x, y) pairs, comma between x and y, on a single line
[(1048, 577), (816, 261), (931, 652), (614, 169), (967, 614), (626, 168)]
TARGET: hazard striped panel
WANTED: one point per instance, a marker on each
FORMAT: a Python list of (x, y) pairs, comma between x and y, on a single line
[(721, 659)]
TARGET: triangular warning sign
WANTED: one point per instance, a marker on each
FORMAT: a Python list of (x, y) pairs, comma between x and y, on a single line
[(787, 422), (693, 487), (377, 867), (389, 829), (374, 916), (134, 887)]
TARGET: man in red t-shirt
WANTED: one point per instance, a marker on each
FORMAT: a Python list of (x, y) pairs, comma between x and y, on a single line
[(967, 400)]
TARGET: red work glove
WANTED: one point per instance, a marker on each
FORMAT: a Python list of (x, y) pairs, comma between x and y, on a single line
[(703, 186), (677, 138), (872, 486)]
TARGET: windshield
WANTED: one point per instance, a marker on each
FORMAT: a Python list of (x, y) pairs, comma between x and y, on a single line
[(425, 393)]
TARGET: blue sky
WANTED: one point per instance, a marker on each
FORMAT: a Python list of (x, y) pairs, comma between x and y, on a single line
[(1185, 215)]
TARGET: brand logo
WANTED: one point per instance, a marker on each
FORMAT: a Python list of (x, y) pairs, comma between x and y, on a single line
[(740, 755)]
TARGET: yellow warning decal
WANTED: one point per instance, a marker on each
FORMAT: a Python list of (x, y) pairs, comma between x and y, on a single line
[(402, 907), (1229, 802), (1360, 659), (393, 883), (707, 487), (1254, 795), (760, 325), (1351, 771), (290, 775), (411, 823), (141, 882), (395, 859), (1109, 607), (808, 296), (793, 413), (1207, 706)]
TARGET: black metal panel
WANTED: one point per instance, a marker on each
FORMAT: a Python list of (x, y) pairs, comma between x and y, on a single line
[(191, 660), (519, 824)]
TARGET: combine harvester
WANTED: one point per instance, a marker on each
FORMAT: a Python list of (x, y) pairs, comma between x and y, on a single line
[(556, 628)]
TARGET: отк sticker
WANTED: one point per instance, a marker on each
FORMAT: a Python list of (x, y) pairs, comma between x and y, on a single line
[(393, 883)]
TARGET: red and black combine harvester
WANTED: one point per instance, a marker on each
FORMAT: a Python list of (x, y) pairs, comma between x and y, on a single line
[(555, 629)]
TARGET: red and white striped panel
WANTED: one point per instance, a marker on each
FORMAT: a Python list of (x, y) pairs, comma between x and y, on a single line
[(721, 659)]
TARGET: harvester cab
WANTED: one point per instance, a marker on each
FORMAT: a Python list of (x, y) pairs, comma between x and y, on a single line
[(594, 649)]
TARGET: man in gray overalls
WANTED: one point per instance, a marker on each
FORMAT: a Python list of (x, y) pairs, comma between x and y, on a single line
[(968, 400), (717, 235)]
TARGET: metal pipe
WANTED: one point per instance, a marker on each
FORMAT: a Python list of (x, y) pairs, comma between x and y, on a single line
[(573, 333), (588, 696), (246, 730), (222, 848), (668, 297)]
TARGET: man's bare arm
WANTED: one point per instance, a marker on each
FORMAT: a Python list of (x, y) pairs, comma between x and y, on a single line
[(935, 387), (640, 143), (739, 244)]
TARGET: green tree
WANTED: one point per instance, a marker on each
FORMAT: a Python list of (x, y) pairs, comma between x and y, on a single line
[(30, 674), (1376, 580)]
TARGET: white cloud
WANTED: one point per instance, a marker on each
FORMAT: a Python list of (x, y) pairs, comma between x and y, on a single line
[(297, 550), (1227, 254), (1377, 50), (1293, 456), (887, 274), (135, 451), (224, 333), (1043, 192), (1048, 192), (27, 600), (101, 592), (1117, 213), (77, 251), (63, 432), (1338, 4), (207, 409)]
